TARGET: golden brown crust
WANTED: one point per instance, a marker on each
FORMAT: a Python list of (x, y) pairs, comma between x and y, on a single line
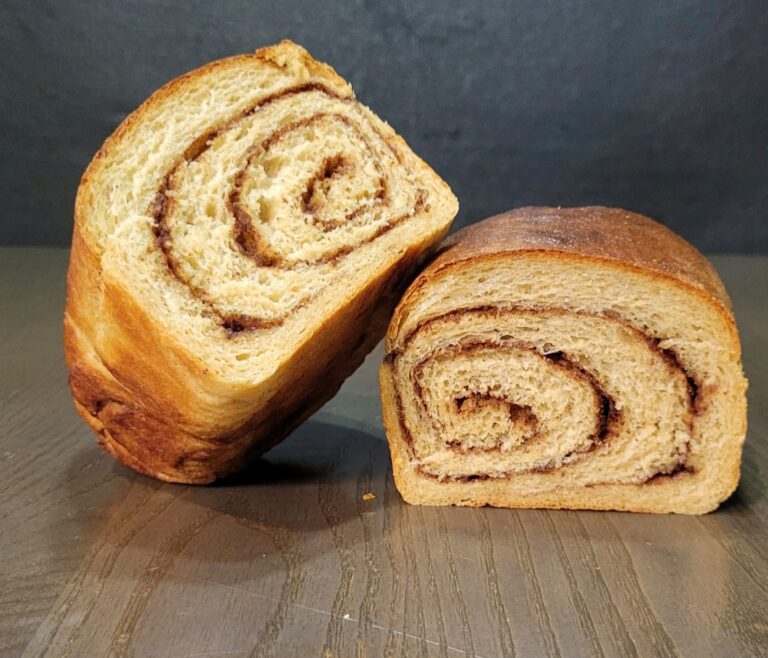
[(592, 232), (155, 405)]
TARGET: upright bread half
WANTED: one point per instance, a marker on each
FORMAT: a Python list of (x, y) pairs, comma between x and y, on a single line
[(582, 358), (239, 244)]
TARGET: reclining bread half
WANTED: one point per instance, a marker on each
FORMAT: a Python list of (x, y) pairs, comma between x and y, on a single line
[(239, 244)]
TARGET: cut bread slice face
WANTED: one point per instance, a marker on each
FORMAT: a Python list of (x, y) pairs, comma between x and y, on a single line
[(582, 358), (239, 244)]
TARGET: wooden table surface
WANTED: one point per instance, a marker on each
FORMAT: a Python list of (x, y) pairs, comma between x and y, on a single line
[(290, 560)]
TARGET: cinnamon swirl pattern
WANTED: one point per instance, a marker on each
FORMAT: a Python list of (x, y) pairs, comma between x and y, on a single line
[(312, 179), (540, 361), (239, 244)]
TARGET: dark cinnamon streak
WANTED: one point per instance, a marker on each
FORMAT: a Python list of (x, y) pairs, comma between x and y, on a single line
[(681, 468), (333, 166), (693, 387), (245, 234), (608, 416)]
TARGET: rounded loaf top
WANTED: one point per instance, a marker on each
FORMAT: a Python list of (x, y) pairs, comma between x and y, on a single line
[(593, 232)]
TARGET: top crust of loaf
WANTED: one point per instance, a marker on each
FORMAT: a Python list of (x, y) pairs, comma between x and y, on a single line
[(592, 231), (625, 239)]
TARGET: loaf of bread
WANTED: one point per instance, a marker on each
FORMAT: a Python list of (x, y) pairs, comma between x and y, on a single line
[(581, 358), (239, 244)]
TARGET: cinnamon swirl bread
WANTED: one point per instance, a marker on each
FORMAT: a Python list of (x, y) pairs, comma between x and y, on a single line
[(566, 358), (239, 244)]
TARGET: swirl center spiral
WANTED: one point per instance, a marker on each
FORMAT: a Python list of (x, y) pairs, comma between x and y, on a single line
[(494, 392), (300, 180)]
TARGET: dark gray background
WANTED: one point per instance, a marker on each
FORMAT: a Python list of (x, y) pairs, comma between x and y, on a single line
[(659, 107)]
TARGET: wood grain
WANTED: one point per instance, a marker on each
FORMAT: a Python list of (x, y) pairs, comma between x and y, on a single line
[(290, 560)]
